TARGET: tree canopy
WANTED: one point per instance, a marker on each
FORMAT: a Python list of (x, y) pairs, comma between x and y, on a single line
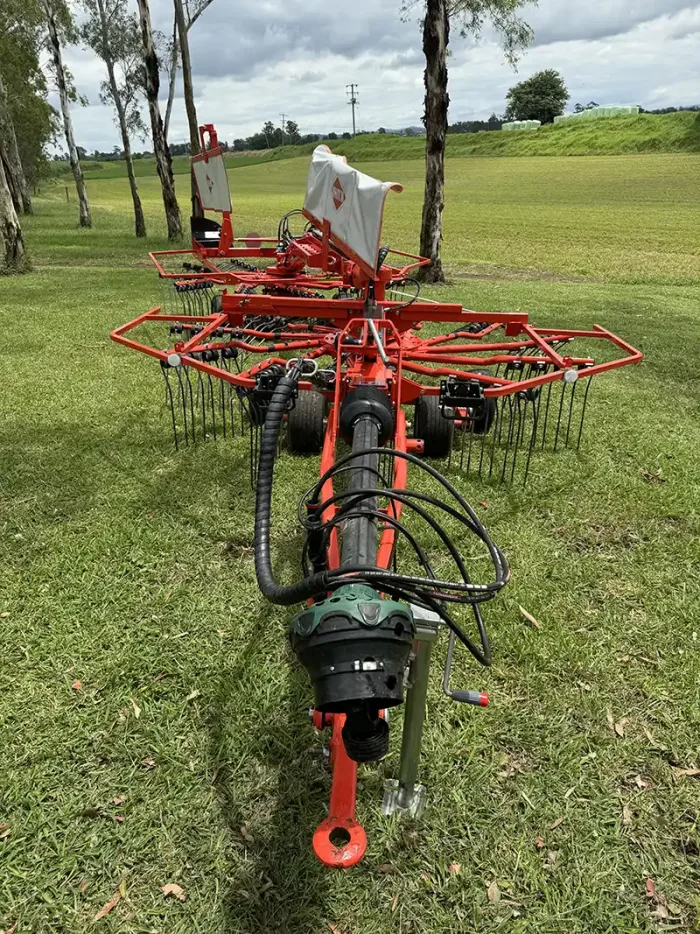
[(514, 34), (541, 97), (22, 35), (123, 46)]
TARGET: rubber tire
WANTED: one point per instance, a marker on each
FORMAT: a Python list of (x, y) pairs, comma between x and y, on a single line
[(483, 423), (432, 428), (305, 430), (256, 415)]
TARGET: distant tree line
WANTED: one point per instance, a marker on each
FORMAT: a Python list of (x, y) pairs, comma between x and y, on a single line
[(476, 126), (272, 136), (669, 110)]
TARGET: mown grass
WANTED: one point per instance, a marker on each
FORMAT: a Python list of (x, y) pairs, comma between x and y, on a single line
[(611, 136), (127, 566), (604, 218)]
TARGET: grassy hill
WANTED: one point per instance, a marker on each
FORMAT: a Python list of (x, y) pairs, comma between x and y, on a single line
[(612, 136)]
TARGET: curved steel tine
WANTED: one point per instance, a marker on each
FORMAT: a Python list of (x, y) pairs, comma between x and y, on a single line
[(210, 396), (561, 408), (497, 425), (191, 400), (546, 415), (471, 441), (508, 439), (571, 409), (519, 433), (183, 399), (222, 399), (201, 401), (533, 434), (583, 411), (171, 402)]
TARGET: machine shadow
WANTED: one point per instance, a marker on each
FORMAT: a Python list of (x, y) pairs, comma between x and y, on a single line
[(279, 885)]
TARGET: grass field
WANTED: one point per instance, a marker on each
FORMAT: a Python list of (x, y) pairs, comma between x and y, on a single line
[(612, 136), (186, 755)]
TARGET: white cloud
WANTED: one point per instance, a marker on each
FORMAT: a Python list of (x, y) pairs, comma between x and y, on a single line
[(253, 60)]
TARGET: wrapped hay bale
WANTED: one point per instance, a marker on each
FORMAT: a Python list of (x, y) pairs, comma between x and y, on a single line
[(521, 125), (595, 113)]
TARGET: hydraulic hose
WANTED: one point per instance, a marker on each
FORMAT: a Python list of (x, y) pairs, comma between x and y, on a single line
[(358, 513), (284, 594)]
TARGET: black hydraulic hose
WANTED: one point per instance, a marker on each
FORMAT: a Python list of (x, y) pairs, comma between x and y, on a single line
[(284, 594), (428, 591), (483, 655)]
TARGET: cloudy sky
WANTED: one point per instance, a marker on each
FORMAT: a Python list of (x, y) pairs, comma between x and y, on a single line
[(254, 59)]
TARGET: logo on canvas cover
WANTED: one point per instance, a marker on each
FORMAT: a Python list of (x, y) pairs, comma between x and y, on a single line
[(338, 194)]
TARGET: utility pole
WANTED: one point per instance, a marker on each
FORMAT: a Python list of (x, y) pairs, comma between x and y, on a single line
[(352, 93), (284, 126)]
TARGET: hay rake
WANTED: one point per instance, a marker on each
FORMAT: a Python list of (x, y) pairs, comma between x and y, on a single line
[(317, 338)]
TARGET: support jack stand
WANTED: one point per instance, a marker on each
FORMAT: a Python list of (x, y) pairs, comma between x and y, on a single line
[(406, 795)]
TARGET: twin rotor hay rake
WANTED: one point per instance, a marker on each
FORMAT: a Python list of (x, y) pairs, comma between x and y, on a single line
[(318, 335)]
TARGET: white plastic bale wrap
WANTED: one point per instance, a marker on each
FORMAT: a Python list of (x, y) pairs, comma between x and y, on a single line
[(593, 113), (212, 182), (521, 125), (351, 202)]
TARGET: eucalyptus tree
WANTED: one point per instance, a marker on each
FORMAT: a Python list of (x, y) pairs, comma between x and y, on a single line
[(470, 17)]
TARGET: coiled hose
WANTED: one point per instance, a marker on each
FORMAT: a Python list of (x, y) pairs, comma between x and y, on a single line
[(426, 591)]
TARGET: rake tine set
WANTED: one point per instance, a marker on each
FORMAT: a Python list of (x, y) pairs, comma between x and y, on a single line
[(188, 297), (202, 407), (523, 423)]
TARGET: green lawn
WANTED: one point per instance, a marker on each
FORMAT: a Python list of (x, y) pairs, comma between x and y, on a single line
[(186, 755)]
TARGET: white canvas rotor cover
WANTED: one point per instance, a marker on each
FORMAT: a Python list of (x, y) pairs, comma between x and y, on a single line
[(212, 183), (351, 202)]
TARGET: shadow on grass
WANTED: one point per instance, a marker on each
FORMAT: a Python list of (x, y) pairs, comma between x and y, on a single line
[(282, 886)]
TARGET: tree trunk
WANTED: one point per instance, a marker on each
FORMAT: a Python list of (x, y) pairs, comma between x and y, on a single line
[(12, 253), (171, 82), (189, 98), (85, 218), (436, 32), (12, 185), (139, 220), (9, 152), (160, 147)]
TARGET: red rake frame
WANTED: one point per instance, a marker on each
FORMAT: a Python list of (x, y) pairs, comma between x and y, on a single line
[(461, 361), (276, 314)]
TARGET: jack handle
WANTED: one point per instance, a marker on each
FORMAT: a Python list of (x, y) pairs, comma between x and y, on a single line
[(477, 698)]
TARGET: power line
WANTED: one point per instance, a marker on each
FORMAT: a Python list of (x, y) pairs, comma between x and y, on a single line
[(352, 93)]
